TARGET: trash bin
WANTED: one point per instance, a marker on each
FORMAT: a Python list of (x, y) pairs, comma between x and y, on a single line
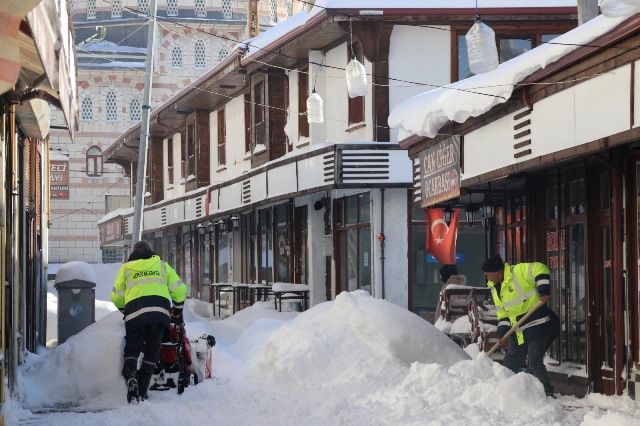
[(75, 283)]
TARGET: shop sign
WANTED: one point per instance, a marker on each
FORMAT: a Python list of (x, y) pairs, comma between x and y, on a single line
[(440, 172), (59, 179)]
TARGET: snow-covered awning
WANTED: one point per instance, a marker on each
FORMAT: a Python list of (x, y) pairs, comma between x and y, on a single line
[(427, 113)]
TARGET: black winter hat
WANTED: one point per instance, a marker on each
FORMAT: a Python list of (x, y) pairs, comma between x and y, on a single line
[(493, 264), (446, 271)]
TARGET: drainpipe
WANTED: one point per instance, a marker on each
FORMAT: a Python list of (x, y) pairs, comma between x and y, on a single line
[(3, 257), (381, 238), (45, 218)]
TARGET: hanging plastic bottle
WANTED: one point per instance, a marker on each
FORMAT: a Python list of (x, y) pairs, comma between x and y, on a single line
[(314, 108), (356, 79), (481, 46), (619, 8)]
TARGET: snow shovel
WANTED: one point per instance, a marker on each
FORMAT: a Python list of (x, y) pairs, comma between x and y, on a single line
[(515, 326)]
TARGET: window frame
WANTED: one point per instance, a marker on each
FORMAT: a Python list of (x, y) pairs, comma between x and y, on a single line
[(88, 110), (535, 32), (356, 106), (199, 61), (94, 162), (114, 116), (303, 94), (222, 138)]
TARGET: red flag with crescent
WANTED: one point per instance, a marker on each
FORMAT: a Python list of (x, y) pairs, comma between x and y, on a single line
[(441, 238), (207, 200)]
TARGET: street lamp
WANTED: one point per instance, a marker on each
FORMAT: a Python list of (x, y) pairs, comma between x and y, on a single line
[(235, 221), (488, 213), (201, 229)]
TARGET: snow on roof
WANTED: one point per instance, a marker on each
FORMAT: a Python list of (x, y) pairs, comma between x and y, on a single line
[(57, 156), (111, 47), (261, 41), (425, 114), (115, 213)]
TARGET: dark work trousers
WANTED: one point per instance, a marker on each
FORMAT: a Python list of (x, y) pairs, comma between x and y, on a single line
[(146, 339), (534, 351)]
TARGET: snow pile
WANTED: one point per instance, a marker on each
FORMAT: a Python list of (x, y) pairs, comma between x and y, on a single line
[(355, 332), (355, 360)]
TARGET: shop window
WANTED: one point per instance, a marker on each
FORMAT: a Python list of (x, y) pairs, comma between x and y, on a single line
[(94, 162), (199, 54), (135, 110), (172, 7), (200, 8), (176, 57), (91, 9), (289, 8), (265, 247), (565, 255), (86, 110), (353, 234), (112, 255), (116, 8), (222, 254)]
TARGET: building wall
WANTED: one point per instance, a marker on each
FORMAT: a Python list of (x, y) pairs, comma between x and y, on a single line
[(74, 233)]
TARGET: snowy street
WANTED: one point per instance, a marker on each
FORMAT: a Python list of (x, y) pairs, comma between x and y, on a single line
[(353, 361)]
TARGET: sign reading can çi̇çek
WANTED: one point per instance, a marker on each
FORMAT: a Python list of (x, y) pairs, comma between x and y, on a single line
[(59, 179), (440, 172)]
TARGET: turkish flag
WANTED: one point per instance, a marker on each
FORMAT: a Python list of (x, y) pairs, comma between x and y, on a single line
[(441, 238)]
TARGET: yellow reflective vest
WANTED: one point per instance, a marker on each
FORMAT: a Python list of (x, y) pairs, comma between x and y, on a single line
[(145, 288), (521, 288)]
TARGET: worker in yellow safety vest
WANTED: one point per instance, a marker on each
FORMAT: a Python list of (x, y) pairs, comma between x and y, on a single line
[(516, 290), (144, 290)]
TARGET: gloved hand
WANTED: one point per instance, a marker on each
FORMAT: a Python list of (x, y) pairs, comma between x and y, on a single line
[(176, 316)]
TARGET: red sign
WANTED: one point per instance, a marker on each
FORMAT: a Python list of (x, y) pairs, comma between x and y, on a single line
[(59, 179), (441, 238)]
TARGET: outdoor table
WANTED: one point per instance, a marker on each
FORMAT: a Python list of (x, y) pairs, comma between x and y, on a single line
[(290, 291), (259, 292), (218, 289), (240, 296)]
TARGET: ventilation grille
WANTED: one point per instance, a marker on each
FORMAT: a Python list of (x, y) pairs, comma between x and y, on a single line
[(199, 207), (360, 166), (127, 229), (246, 192), (417, 190), (328, 165), (522, 134), (163, 216)]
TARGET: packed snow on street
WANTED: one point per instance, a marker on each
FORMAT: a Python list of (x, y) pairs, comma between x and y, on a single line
[(355, 360)]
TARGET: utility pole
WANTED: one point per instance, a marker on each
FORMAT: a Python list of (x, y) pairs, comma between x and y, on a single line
[(144, 133)]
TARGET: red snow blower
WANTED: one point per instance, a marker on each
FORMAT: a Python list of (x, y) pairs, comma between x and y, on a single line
[(176, 367)]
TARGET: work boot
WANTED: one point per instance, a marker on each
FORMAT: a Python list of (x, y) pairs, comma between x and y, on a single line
[(143, 385), (132, 387)]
